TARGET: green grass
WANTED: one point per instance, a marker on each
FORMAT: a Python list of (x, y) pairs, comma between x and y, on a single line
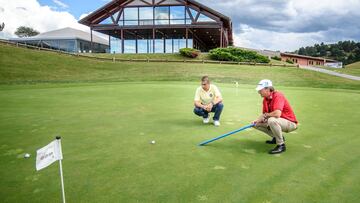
[(176, 56), (107, 127), (30, 66), (351, 69), (107, 114)]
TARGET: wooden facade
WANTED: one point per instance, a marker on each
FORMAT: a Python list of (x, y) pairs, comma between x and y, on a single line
[(201, 27)]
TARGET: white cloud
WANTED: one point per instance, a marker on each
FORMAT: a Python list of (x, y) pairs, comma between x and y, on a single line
[(60, 3), (272, 40), (290, 24), (16, 13), (84, 15)]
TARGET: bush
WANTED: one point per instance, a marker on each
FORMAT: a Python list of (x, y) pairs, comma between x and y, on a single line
[(238, 55), (289, 61), (189, 52), (276, 58)]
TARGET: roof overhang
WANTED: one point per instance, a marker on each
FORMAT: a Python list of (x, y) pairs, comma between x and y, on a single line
[(109, 9), (306, 57)]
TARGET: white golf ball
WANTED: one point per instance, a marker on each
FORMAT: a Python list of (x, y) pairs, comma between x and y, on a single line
[(153, 142), (27, 155)]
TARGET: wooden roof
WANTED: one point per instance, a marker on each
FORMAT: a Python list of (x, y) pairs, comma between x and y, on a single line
[(114, 6)]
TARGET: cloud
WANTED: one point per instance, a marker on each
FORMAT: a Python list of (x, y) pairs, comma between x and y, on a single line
[(30, 13), (289, 24), (84, 15), (282, 25), (272, 40), (60, 3)]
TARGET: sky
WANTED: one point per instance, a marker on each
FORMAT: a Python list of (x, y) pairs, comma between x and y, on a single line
[(284, 25)]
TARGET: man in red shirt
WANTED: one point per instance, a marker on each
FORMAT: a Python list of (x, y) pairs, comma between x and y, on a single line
[(277, 117)]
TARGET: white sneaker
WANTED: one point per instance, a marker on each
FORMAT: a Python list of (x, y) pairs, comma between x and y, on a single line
[(206, 120), (217, 123)]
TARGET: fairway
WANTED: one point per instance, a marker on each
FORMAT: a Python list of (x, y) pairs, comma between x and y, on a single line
[(107, 129)]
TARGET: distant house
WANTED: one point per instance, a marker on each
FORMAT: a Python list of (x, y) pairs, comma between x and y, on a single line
[(67, 39), (310, 61)]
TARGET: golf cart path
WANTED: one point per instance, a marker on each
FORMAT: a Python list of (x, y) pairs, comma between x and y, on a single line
[(351, 77)]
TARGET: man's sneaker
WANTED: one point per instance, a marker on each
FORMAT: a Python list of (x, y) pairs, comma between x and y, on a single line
[(217, 123), (206, 120), (278, 149), (273, 141)]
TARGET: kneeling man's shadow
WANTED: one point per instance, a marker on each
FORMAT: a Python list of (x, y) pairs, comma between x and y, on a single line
[(241, 146)]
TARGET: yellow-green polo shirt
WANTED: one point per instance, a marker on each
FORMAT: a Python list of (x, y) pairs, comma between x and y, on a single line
[(206, 97)]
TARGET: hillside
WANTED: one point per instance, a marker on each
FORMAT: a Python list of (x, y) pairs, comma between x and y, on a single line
[(346, 51), (351, 69), (161, 56), (19, 65)]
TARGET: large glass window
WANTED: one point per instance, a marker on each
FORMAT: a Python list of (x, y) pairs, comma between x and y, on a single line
[(107, 21), (204, 18), (159, 46), (142, 46), (146, 15), (162, 15), (150, 43), (67, 45), (131, 16), (169, 46), (188, 18), (190, 43), (177, 15), (180, 43), (130, 46), (51, 44), (115, 45)]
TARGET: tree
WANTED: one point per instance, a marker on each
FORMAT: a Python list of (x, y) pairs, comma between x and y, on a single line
[(345, 51), (2, 26), (23, 31), (302, 51)]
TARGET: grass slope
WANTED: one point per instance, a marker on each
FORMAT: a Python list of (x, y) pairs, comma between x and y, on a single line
[(176, 56), (20, 65), (107, 127), (351, 69)]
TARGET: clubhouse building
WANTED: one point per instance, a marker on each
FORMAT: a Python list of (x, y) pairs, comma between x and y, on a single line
[(67, 39), (160, 26)]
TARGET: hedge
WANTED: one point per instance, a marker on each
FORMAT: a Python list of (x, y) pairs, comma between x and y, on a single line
[(189, 52), (238, 55)]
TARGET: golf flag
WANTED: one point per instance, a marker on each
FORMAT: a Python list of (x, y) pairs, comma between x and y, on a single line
[(48, 155)]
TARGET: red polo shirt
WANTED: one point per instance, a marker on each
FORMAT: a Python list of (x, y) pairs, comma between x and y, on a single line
[(277, 101)]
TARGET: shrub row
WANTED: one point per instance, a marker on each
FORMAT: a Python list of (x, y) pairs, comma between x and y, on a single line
[(189, 52), (238, 55)]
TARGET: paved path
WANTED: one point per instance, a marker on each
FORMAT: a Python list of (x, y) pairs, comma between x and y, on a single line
[(351, 77)]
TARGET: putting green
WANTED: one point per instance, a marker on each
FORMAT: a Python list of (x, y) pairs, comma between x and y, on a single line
[(107, 129)]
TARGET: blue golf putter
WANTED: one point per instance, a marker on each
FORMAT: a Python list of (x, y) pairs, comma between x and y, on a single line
[(227, 134)]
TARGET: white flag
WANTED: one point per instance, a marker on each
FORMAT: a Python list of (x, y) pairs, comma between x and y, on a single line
[(48, 155)]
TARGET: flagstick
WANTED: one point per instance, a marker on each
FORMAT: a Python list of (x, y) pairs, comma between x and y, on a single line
[(61, 172)]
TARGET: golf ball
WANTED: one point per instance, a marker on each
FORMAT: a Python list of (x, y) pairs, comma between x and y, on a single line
[(153, 142), (27, 155)]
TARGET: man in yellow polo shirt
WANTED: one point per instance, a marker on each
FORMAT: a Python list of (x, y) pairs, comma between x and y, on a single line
[(208, 99)]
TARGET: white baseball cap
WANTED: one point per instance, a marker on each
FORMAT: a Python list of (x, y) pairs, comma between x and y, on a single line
[(264, 83)]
